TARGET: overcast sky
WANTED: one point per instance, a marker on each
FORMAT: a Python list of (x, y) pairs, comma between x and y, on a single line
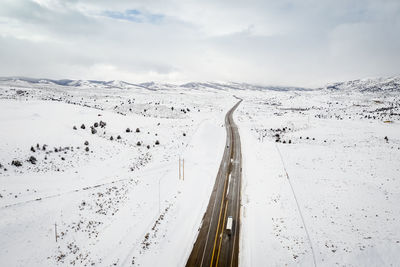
[(268, 42)]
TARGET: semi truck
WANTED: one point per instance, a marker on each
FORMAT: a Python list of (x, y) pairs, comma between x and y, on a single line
[(229, 225)]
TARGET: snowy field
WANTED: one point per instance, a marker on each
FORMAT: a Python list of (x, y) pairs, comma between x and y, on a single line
[(321, 181), (95, 165), (114, 194)]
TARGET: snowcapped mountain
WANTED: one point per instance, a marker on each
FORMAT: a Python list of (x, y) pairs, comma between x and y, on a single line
[(362, 85), (367, 85), (154, 86), (239, 86), (67, 82)]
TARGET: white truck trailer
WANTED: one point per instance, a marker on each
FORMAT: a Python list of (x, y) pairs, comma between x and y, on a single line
[(229, 224)]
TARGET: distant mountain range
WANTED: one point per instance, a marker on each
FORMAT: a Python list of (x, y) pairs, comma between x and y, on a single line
[(148, 85), (367, 85), (67, 82), (363, 85)]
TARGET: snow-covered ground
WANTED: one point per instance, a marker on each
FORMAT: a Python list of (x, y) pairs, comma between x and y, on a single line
[(113, 202), (320, 172), (321, 182)]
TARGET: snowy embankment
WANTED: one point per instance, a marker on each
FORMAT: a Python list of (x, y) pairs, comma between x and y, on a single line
[(112, 194), (337, 154)]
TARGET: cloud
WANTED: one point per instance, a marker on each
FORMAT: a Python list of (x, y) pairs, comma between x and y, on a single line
[(287, 42)]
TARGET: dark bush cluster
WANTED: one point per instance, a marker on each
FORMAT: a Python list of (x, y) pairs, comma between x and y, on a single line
[(284, 129), (95, 125), (16, 163), (62, 149), (309, 138), (32, 160), (278, 135), (37, 148)]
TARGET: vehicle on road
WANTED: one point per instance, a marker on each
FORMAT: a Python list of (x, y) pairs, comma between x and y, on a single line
[(229, 224)]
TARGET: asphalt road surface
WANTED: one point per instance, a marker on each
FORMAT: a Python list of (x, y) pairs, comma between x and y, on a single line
[(215, 245)]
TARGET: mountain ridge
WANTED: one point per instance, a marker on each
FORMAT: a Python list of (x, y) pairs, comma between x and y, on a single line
[(362, 85)]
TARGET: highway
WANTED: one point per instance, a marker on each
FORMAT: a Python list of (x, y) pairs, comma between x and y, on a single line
[(215, 245)]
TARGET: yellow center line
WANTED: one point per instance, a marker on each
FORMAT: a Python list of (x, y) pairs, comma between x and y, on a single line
[(219, 220), (223, 227), (223, 198)]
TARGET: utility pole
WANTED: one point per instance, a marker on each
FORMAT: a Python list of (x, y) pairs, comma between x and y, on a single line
[(181, 169), (55, 230)]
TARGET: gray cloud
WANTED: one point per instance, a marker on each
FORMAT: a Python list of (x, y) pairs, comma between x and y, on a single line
[(288, 42)]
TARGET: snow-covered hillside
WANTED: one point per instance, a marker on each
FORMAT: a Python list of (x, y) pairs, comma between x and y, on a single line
[(368, 85), (96, 164)]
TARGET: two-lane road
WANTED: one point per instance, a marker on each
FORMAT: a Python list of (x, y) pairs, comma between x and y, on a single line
[(215, 245)]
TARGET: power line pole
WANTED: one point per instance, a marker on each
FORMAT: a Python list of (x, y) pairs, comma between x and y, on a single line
[(55, 230)]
